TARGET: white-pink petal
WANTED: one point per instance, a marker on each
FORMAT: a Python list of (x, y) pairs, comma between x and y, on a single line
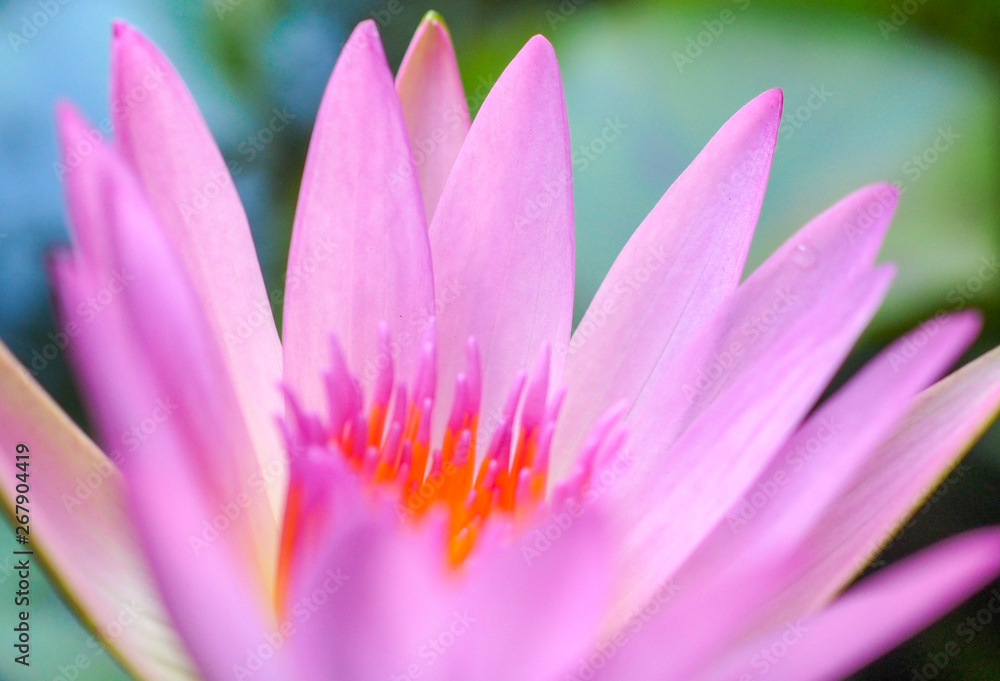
[(668, 504), (868, 620), (682, 261), (161, 133), (80, 527), (434, 106), (822, 459), (359, 253), (502, 236)]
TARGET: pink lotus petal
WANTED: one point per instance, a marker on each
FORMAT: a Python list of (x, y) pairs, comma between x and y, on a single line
[(816, 465), (383, 605), (686, 625), (372, 600), (177, 366), (77, 506), (88, 291), (502, 237), (434, 105), (160, 131), (815, 261), (729, 372), (82, 150), (667, 507), (99, 346), (359, 253), (542, 595), (211, 540), (871, 618), (201, 565), (682, 261), (938, 427)]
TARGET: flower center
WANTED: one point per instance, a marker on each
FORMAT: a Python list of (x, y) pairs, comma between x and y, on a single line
[(389, 448)]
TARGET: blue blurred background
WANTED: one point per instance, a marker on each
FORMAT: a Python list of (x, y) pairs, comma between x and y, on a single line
[(905, 91)]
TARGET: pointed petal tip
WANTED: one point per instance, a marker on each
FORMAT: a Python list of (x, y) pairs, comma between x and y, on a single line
[(540, 47), (365, 34), (537, 54), (431, 37), (132, 50), (871, 203), (432, 18), (765, 109), (971, 320), (70, 122), (432, 33), (773, 97), (887, 187), (123, 33), (365, 42), (971, 558), (887, 193), (73, 126), (853, 228), (534, 63), (65, 110)]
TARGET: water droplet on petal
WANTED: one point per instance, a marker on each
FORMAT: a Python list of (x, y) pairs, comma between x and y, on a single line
[(804, 256)]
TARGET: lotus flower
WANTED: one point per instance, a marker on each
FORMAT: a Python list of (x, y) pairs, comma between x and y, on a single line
[(429, 477)]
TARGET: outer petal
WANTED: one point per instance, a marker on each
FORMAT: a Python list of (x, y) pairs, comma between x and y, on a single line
[(177, 364), (160, 131), (147, 316), (83, 150), (217, 608), (683, 626), (540, 597), (78, 504), (359, 252), (99, 345), (502, 236), (364, 610), (726, 381), (821, 460), (88, 286), (195, 498), (663, 515), (873, 617), (940, 424), (815, 262), (682, 261), (434, 105), (401, 611), (94, 332)]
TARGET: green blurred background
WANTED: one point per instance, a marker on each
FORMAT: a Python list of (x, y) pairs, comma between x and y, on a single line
[(899, 91)]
